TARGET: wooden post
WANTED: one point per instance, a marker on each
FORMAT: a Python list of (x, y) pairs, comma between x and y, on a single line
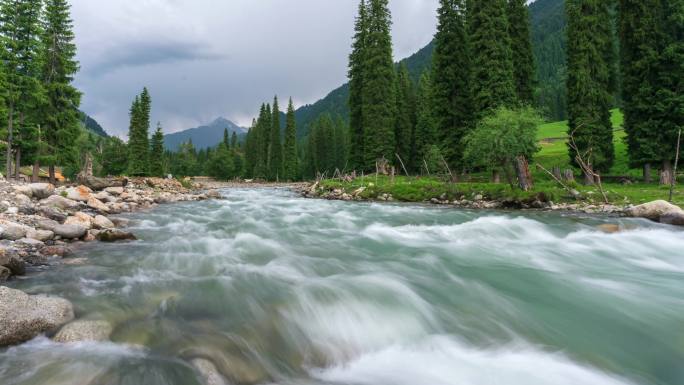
[(674, 172)]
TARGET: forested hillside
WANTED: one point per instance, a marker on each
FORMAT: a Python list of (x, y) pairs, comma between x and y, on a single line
[(548, 40)]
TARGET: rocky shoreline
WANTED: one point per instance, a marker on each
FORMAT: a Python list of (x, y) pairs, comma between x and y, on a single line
[(657, 211)]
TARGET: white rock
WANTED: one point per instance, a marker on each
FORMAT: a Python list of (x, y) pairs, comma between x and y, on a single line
[(652, 210), (80, 193), (59, 202), (40, 235), (23, 317), (12, 231), (97, 204), (80, 219), (22, 200), (67, 231), (114, 190), (81, 331), (24, 190), (102, 222)]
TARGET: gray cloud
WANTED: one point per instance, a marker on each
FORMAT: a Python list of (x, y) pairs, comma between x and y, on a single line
[(207, 58)]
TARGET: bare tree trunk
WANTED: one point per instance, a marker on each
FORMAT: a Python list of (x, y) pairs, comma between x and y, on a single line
[(496, 176), (557, 172), (51, 171), (647, 173), (589, 179), (666, 173), (36, 172), (524, 176), (569, 175), (10, 127)]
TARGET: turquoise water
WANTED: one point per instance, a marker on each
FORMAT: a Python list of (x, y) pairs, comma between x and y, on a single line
[(275, 289)]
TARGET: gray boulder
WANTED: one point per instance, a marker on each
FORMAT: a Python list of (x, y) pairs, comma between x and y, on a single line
[(673, 218), (5, 273), (12, 231), (11, 260), (24, 190), (23, 316), (42, 190), (102, 222), (208, 371), (53, 213), (70, 231), (84, 330), (22, 200), (40, 235), (47, 224), (79, 194), (652, 210), (59, 202), (114, 190)]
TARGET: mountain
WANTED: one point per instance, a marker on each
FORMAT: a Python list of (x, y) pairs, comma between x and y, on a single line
[(92, 125), (204, 136), (548, 39)]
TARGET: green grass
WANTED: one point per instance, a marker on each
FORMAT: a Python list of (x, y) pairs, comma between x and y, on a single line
[(554, 152)]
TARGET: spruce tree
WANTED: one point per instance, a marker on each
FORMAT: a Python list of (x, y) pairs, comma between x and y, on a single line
[(670, 97), (425, 136), (60, 117), (234, 141), (340, 144), (521, 50), (356, 86), (20, 30), (406, 115), (589, 36), (640, 50), (378, 102), (263, 129), (157, 152), (226, 138), (138, 142), (275, 161), (251, 151), (290, 148), (490, 42), (451, 81)]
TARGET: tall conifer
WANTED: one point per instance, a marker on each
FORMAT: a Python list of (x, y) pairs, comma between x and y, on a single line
[(157, 152), (490, 42), (406, 116), (275, 161), (357, 60), (589, 36), (426, 127), (290, 148), (378, 108), (138, 141), (452, 80), (521, 50)]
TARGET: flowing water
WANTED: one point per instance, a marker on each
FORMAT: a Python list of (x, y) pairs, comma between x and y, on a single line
[(275, 289)]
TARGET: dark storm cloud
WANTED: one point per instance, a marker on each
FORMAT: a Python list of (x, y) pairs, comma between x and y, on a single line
[(207, 58)]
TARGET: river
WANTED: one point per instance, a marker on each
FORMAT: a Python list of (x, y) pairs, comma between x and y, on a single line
[(276, 289)]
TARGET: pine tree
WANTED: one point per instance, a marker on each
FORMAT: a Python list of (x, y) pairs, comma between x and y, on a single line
[(640, 50), (226, 138), (670, 97), (138, 142), (275, 159), (251, 151), (425, 136), (263, 129), (406, 115), (356, 87), (378, 108), (60, 117), (20, 31), (493, 82), (157, 153), (234, 141), (290, 148), (452, 81), (589, 36), (521, 49), (340, 144)]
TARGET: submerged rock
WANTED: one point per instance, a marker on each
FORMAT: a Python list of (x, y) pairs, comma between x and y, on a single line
[(5, 273), (56, 251), (84, 330), (208, 371), (115, 235), (609, 228), (23, 316)]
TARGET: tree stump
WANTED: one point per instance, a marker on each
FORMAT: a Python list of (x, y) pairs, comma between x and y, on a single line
[(524, 176), (569, 175), (496, 176), (382, 166), (647, 173), (666, 173), (557, 172)]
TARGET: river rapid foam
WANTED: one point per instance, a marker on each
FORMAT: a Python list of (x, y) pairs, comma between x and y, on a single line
[(275, 289)]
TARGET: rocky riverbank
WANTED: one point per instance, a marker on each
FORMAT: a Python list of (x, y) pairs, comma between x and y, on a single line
[(658, 211), (39, 223)]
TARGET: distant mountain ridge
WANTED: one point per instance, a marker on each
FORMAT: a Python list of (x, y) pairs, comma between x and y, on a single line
[(203, 137), (92, 125)]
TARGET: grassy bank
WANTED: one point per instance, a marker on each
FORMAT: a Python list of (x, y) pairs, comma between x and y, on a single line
[(552, 138)]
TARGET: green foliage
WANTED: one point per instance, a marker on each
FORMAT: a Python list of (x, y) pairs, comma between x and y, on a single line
[(589, 38), (157, 153), (275, 149), (356, 85), (325, 149), (490, 43), (501, 137), (290, 167), (426, 128), (406, 115), (521, 50), (138, 141), (452, 82), (114, 157)]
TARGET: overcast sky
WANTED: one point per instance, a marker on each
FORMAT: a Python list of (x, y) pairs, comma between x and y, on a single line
[(202, 59)]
